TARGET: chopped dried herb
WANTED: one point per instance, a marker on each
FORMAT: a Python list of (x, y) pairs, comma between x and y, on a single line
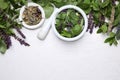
[(32, 15)]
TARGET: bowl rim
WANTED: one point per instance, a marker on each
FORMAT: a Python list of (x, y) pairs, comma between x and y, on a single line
[(84, 26), (32, 26)]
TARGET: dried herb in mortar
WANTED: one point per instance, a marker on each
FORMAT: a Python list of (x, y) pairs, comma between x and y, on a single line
[(32, 15)]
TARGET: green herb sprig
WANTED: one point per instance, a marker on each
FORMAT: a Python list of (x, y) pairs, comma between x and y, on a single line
[(8, 23), (104, 15)]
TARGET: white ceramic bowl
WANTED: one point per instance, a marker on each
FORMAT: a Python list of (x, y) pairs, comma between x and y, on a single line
[(33, 26), (84, 26)]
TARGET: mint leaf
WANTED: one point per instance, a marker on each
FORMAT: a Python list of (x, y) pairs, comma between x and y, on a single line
[(104, 4), (112, 34), (95, 6), (69, 23), (112, 39), (87, 1), (3, 47), (66, 34), (48, 10), (103, 29), (76, 30), (99, 31), (3, 4), (117, 20), (1, 26), (118, 34)]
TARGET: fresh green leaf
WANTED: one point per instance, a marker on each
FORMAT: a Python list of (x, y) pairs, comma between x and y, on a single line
[(95, 6), (112, 34), (115, 42), (1, 26), (48, 10), (118, 35), (117, 20), (87, 11), (82, 22), (84, 6), (104, 28), (66, 34), (87, 1), (112, 39), (76, 30), (3, 47), (3, 4), (69, 23), (104, 3), (99, 30)]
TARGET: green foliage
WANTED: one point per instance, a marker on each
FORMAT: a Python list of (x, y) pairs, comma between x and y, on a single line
[(48, 10), (3, 46), (76, 30), (69, 23), (103, 29), (101, 10), (118, 34), (105, 3), (111, 39), (8, 16), (3, 4)]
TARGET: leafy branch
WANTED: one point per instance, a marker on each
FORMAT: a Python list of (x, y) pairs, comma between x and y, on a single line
[(8, 23), (111, 19)]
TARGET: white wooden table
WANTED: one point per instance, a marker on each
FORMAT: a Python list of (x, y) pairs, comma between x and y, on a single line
[(52, 59)]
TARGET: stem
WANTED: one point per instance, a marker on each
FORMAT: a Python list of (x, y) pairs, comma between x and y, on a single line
[(111, 19)]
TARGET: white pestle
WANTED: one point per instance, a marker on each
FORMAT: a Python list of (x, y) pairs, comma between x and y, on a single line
[(47, 25)]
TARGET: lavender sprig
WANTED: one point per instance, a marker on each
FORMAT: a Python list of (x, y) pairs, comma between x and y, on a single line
[(6, 39), (91, 24), (20, 32), (22, 42)]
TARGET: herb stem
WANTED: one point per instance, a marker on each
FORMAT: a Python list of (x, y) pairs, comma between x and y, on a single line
[(111, 19)]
